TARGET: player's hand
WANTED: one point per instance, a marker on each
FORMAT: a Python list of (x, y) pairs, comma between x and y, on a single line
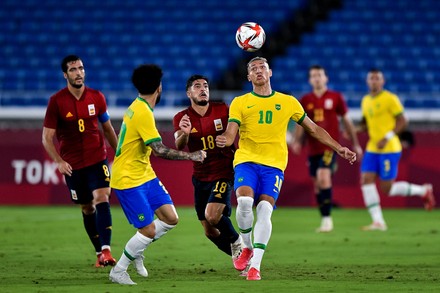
[(347, 154), (197, 156), (65, 168), (185, 124), (359, 152), (381, 144), (220, 141), (296, 147)]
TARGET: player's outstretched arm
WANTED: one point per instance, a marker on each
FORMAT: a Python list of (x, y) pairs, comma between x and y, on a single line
[(228, 137), (322, 136), (165, 152)]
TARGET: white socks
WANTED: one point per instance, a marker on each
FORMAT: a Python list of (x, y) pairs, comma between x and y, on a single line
[(372, 202), (245, 219), (404, 188), (136, 245), (262, 232), (133, 249)]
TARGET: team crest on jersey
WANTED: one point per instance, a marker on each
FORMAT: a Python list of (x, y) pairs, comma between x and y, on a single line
[(328, 104), (92, 111), (278, 107), (141, 217), (218, 124), (309, 106)]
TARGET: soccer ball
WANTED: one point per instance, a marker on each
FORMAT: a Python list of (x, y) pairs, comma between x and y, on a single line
[(250, 36)]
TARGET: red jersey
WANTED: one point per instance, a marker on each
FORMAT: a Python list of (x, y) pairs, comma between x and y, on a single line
[(76, 123), (218, 162), (324, 111)]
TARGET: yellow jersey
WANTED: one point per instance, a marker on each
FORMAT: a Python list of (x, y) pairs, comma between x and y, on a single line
[(263, 122), (132, 166), (380, 113)]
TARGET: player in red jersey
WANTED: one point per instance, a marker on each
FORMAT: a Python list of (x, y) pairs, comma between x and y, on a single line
[(197, 127), (72, 116), (324, 107)]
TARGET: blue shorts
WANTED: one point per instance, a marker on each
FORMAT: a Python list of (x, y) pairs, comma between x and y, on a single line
[(262, 179), (384, 165), (139, 203)]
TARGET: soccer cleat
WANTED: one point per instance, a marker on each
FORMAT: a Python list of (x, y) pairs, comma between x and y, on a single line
[(106, 258), (244, 272), (253, 275), (243, 259), (121, 277), (98, 263), (428, 198), (139, 265), (375, 226), (326, 225), (235, 250)]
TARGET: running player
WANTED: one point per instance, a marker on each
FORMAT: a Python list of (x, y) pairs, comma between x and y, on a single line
[(134, 181), (383, 118), (262, 117), (197, 127)]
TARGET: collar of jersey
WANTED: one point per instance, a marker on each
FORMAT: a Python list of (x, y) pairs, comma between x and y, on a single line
[(255, 94), (142, 100)]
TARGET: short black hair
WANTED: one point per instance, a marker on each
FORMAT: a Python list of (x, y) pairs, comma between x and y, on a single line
[(146, 78), (194, 77), (317, 67), (68, 59), (374, 70)]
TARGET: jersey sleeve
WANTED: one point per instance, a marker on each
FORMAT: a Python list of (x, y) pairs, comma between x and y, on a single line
[(235, 113), (51, 117), (298, 111), (103, 115), (176, 120), (147, 128), (395, 105), (341, 108)]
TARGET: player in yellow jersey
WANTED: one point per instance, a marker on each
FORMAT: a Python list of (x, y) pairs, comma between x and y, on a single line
[(383, 118), (259, 163), (140, 192)]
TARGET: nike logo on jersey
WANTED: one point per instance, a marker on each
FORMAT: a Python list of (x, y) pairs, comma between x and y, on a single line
[(194, 130), (250, 106), (68, 115)]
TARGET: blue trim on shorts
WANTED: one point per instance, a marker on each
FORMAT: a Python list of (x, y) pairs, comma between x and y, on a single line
[(384, 165), (262, 179), (139, 203)]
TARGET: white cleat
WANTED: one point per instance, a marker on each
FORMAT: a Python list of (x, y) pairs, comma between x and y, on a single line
[(376, 226), (139, 265), (326, 225), (236, 249), (120, 277)]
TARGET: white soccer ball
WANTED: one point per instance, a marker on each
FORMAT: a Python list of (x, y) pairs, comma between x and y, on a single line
[(250, 36)]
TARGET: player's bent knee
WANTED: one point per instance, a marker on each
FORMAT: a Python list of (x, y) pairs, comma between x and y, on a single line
[(212, 219), (148, 231)]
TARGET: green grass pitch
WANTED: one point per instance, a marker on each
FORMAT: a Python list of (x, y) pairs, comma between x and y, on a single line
[(45, 249)]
